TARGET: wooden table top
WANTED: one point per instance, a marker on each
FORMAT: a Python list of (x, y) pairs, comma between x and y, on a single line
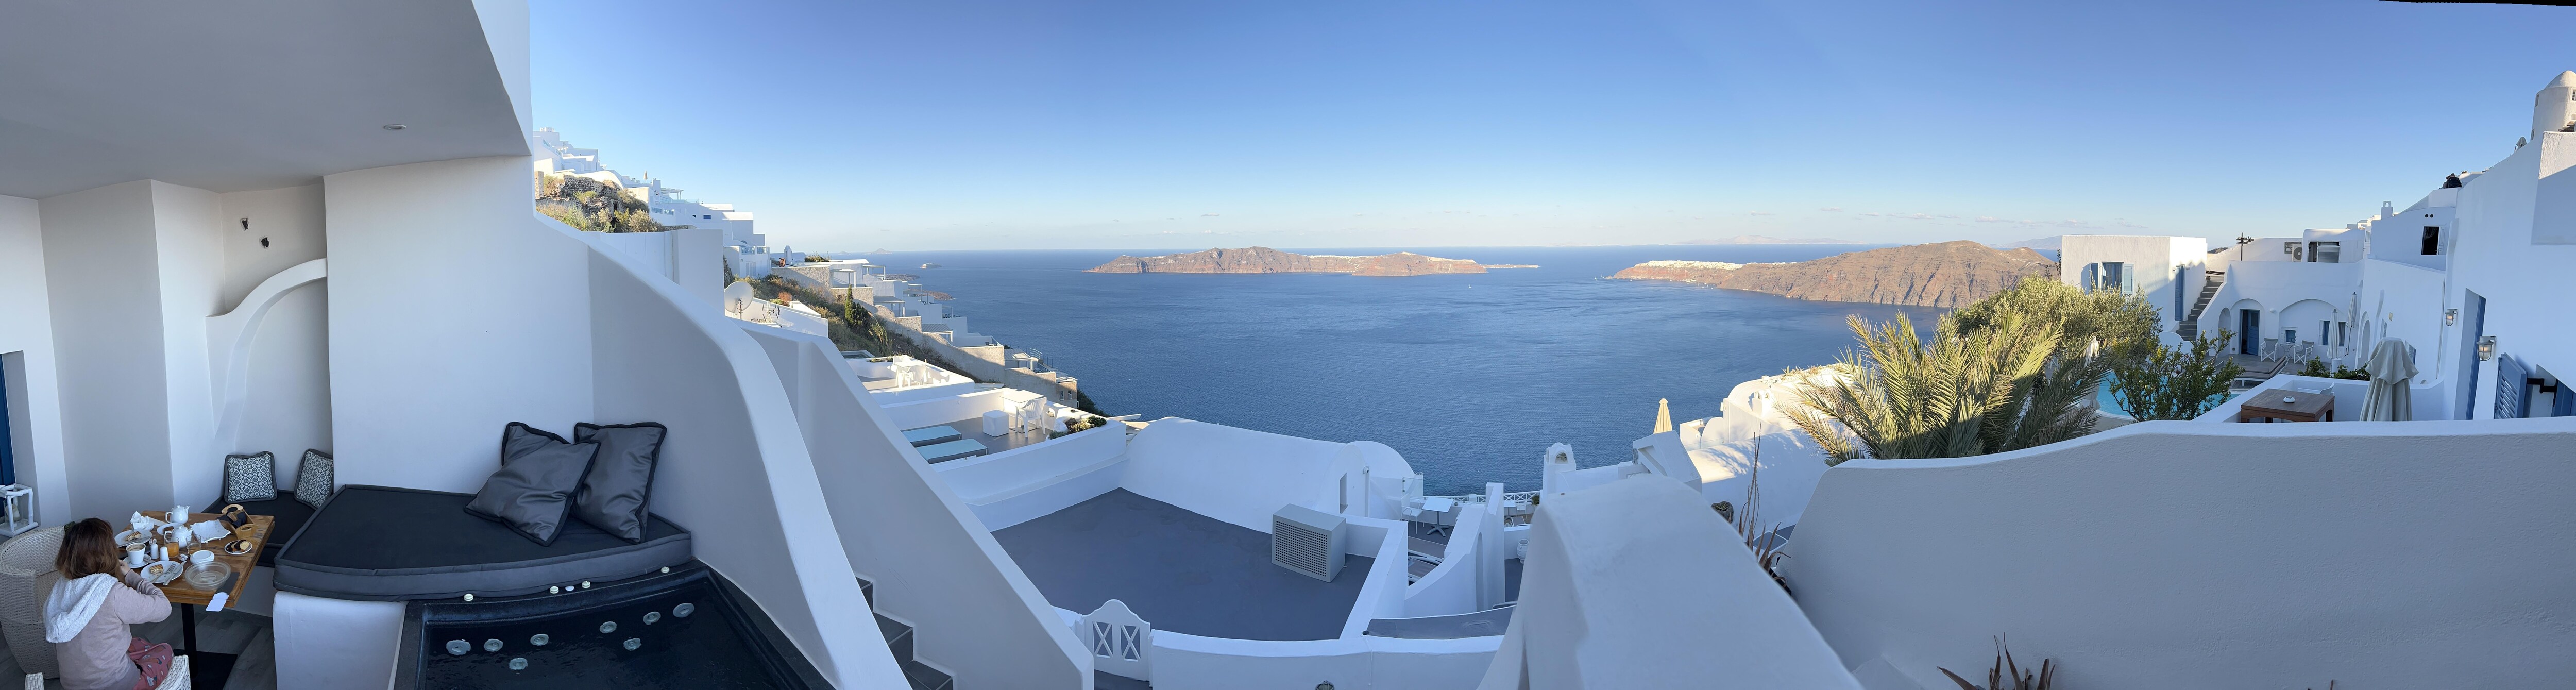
[(2268, 403), (181, 592)]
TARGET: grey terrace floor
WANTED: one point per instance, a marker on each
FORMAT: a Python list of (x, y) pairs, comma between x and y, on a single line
[(1179, 570)]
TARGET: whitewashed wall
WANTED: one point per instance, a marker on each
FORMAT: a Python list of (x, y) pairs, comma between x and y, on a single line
[(2188, 554), (446, 326), (111, 359), (1239, 476), (2515, 249), (27, 350), (974, 614), (289, 389), (734, 468), (1637, 584)]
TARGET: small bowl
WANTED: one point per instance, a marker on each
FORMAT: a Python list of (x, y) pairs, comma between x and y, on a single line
[(209, 575)]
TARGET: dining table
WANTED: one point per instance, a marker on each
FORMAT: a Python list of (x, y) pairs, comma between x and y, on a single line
[(2288, 406), (209, 670)]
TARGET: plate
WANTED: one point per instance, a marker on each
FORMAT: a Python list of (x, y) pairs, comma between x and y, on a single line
[(129, 538), (237, 547), (161, 572), (209, 575)]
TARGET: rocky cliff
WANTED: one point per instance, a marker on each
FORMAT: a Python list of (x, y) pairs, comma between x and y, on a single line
[(1267, 260), (1948, 274)]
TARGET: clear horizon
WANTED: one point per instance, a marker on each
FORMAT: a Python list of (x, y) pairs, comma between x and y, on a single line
[(1015, 125)]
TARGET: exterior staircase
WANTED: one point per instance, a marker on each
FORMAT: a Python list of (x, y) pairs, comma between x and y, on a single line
[(898, 639), (2189, 328)]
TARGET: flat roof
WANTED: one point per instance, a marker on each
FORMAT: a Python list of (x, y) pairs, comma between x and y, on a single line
[(1179, 570)]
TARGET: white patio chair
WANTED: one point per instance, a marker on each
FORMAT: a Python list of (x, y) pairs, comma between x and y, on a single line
[(26, 577)]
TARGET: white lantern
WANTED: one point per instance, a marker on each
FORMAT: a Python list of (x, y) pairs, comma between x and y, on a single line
[(19, 512)]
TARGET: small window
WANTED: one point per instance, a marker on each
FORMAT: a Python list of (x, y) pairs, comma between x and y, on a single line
[(2432, 240)]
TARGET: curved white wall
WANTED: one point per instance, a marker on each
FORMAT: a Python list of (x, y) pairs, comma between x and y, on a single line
[(1236, 475), (1637, 584), (2190, 554)]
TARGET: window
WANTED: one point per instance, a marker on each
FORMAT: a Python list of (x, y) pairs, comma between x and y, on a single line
[(2432, 239), (2325, 332), (2343, 333), (2289, 335), (2113, 276)]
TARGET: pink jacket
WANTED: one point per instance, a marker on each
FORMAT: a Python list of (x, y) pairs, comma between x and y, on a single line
[(94, 658)]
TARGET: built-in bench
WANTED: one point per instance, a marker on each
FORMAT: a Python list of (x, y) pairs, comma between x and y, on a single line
[(951, 450), (931, 434), (377, 543)]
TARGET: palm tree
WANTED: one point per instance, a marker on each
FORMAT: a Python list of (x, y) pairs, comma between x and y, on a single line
[(2000, 387)]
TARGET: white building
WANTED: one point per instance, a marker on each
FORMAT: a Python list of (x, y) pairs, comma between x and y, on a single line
[(748, 253), (211, 248)]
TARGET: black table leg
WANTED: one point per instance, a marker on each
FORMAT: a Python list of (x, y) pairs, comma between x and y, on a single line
[(206, 670)]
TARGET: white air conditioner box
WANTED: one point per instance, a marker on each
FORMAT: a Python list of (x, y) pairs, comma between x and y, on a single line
[(1308, 541)]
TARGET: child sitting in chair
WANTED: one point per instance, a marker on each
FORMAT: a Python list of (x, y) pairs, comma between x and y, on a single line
[(87, 615)]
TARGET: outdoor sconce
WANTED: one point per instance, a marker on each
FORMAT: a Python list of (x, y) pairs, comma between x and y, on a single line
[(20, 512), (2450, 317), (2486, 347)]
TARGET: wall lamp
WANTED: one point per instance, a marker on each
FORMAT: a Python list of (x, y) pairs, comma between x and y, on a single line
[(2450, 317), (2486, 347)]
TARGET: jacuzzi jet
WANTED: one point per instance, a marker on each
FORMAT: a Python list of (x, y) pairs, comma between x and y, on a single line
[(634, 642), (459, 647)]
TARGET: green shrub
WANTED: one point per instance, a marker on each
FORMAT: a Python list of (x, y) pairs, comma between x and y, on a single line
[(2175, 383)]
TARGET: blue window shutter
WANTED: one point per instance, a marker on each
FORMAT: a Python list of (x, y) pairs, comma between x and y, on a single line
[(2510, 402), (2092, 277)]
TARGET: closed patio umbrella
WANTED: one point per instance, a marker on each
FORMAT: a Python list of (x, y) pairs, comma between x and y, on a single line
[(2392, 366)]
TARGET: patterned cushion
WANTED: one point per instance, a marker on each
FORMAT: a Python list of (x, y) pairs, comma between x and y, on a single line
[(313, 480), (250, 477)]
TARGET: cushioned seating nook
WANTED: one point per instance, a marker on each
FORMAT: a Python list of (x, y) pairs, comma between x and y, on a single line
[(380, 543)]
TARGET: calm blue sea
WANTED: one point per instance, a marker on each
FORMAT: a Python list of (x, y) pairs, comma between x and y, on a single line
[(1469, 376)]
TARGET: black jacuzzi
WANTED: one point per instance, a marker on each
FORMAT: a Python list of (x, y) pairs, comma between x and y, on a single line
[(689, 628)]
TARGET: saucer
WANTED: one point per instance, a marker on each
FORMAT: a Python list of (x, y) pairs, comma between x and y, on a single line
[(237, 547)]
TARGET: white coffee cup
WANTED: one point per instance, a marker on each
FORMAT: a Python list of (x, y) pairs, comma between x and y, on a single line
[(136, 556)]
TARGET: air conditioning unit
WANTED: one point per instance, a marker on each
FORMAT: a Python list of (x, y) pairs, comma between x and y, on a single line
[(1308, 541)]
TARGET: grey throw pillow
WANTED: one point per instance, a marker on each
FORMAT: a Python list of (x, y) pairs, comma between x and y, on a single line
[(533, 491), (620, 482), (250, 477), (314, 479)]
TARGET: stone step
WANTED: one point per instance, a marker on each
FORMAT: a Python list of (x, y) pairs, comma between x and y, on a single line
[(923, 677), (898, 637)]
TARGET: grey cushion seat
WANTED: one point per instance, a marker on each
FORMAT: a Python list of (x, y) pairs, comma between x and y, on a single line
[(376, 543)]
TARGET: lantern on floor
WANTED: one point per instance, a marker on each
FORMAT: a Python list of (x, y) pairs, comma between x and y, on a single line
[(19, 512)]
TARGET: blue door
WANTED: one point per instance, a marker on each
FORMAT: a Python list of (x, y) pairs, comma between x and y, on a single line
[(2249, 323)]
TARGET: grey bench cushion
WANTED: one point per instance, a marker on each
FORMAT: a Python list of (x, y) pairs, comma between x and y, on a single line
[(376, 543)]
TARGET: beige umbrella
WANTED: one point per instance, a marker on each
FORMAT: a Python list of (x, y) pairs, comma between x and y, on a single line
[(2392, 367)]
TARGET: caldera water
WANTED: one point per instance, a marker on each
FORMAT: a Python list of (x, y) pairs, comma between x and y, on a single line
[(1470, 376)]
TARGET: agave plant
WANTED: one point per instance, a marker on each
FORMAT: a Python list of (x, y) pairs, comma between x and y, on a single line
[(2005, 670), (2005, 386)]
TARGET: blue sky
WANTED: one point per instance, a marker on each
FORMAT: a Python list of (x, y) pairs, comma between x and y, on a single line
[(1147, 124)]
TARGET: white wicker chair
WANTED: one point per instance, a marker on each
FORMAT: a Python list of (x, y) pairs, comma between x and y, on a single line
[(178, 679), (26, 576)]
